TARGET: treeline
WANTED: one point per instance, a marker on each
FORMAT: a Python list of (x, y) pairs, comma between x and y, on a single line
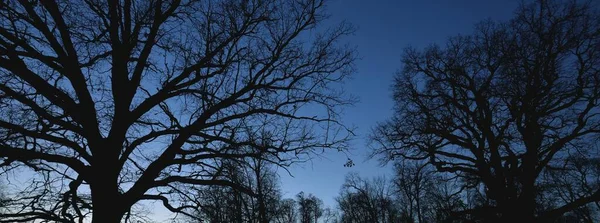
[(415, 193), (257, 200)]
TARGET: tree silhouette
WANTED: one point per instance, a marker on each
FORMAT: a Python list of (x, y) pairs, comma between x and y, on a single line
[(330, 216), (221, 204), (286, 211), (412, 182), (505, 107), (310, 208), (363, 200), (3, 198), (109, 103)]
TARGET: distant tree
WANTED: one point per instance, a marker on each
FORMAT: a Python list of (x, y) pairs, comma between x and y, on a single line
[(411, 183), (310, 208), (110, 103), (222, 204), (362, 201), (266, 185), (504, 108), (3, 197), (427, 196), (286, 211), (330, 216)]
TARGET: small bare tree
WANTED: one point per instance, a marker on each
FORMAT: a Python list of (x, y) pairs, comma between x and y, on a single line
[(222, 204), (287, 211), (330, 216), (310, 208), (363, 200)]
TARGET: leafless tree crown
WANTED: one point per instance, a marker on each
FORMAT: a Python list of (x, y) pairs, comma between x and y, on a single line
[(108, 103)]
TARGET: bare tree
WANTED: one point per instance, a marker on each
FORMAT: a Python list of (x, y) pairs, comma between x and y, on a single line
[(569, 180), (501, 107), (220, 204), (267, 190), (362, 201), (224, 204), (286, 211), (429, 196), (411, 183), (110, 103), (310, 208), (3, 196), (330, 216)]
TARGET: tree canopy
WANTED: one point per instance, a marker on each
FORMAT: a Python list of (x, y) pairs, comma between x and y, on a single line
[(510, 110), (109, 103)]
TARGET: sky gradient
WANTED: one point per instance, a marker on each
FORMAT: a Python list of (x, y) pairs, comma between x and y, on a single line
[(385, 28)]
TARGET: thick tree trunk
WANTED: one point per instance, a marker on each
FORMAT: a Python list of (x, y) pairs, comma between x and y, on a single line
[(523, 207), (513, 206), (517, 213), (527, 203), (106, 198), (106, 214), (107, 208), (520, 207)]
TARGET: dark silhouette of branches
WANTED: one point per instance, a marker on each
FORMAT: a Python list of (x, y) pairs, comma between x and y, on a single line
[(310, 208), (109, 103), (286, 211), (362, 200), (217, 203), (505, 108)]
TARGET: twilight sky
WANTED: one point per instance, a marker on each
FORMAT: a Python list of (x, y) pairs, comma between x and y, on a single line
[(385, 28)]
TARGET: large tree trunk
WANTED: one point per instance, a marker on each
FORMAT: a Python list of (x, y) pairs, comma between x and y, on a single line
[(106, 198), (526, 202), (517, 212), (107, 208), (106, 214)]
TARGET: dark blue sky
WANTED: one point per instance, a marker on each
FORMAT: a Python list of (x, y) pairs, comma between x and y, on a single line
[(385, 27)]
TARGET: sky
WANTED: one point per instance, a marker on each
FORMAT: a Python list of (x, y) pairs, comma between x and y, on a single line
[(385, 28)]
